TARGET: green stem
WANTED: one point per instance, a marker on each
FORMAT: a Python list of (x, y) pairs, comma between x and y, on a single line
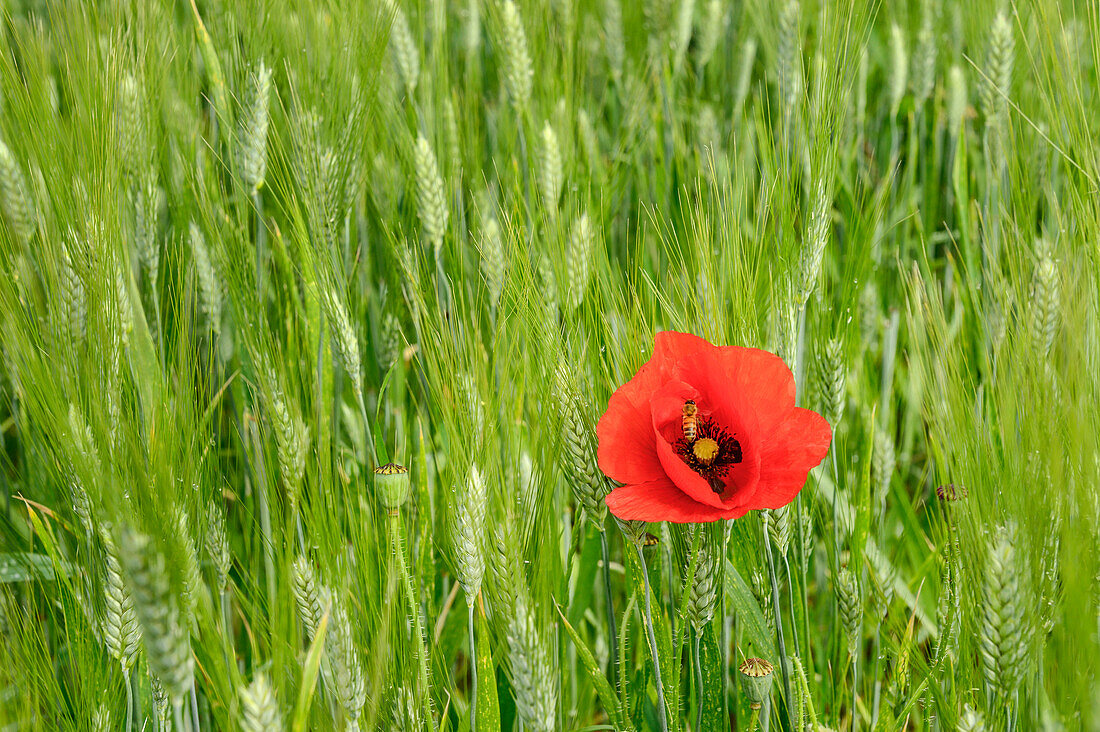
[(129, 700), (261, 247), (368, 434), (698, 683), (855, 689), (227, 619), (661, 713), (790, 597), (801, 673), (414, 608), (612, 630), (778, 619), (754, 720), (177, 716), (194, 708), (473, 665), (265, 516)]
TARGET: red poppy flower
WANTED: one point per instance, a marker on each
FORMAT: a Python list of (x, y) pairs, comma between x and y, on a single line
[(744, 446)]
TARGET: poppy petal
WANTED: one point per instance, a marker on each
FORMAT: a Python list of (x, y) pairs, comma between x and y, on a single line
[(670, 347), (658, 500), (625, 443), (738, 374), (796, 446)]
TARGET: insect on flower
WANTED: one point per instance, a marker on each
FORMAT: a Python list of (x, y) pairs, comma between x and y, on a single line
[(704, 432), (690, 420)]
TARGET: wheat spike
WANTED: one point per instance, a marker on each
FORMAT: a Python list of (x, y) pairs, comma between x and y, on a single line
[(685, 14), (101, 719), (712, 24), (292, 440), (389, 349), (1004, 634), (259, 709), (996, 83), (15, 198), (550, 175), (406, 54), (882, 465), (614, 47), (469, 530), (744, 73), (217, 544), (778, 521), (789, 53), (147, 223), (590, 141), (453, 138), (956, 100), (831, 381), (73, 299), (899, 68), (121, 632), (162, 705), (347, 671), (471, 28), (532, 677), (252, 132), (588, 483), (578, 265), (493, 262), (704, 591), (167, 646), (518, 72), (813, 247), (850, 600), (1044, 305), (924, 59), (431, 201), (193, 585), (130, 124), (346, 342), (971, 720), (209, 286), (307, 597), (405, 712)]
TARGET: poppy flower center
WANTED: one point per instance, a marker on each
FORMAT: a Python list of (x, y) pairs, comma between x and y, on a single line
[(711, 453)]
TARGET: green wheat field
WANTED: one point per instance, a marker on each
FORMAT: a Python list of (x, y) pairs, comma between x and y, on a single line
[(252, 253)]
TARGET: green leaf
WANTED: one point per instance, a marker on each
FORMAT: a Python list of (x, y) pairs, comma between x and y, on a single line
[(309, 676), (487, 704), (24, 567), (741, 600), (713, 689), (603, 686)]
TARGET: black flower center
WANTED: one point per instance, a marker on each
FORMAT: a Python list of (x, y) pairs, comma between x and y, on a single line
[(711, 454)]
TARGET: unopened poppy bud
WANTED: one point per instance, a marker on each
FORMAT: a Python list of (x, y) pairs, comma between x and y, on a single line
[(391, 481), (756, 680)]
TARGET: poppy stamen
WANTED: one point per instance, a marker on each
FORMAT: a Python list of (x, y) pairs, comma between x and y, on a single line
[(711, 454)]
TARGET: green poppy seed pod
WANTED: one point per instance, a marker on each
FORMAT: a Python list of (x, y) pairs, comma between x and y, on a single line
[(391, 481), (756, 680)]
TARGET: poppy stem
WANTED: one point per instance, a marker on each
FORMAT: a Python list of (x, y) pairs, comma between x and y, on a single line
[(661, 714), (778, 619)]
